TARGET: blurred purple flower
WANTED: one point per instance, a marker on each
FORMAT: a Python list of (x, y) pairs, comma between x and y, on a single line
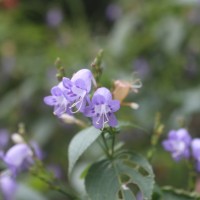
[(77, 89), (102, 108), (57, 100), (141, 66), (37, 150), (56, 170), (194, 16), (18, 158), (8, 186), (4, 138), (139, 196), (113, 12), (195, 145), (178, 143), (54, 17)]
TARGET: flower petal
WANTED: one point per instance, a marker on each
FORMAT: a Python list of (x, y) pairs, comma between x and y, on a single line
[(105, 93), (60, 109), (98, 99), (89, 111), (69, 95), (85, 75), (195, 145), (8, 186), (114, 105), (50, 100), (56, 91), (16, 156), (81, 106), (112, 120), (67, 82), (80, 84), (98, 123)]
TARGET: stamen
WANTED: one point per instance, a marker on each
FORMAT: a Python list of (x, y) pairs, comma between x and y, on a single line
[(137, 84), (61, 104), (103, 114), (74, 104)]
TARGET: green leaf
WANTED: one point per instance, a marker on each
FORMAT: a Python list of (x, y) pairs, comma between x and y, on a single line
[(177, 194), (79, 143), (120, 178), (126, 124), (24, 192)]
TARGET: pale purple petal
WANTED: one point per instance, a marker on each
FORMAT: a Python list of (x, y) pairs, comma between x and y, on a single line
[(105, 93), (56, 91), (114, 105), (1, 155), (167, 145), (60, 109), (50, 100), (172, 134), (8, 186), (195, 145), (112, 120), (69, 95), (4, 138), (85, 75), (67, 83), (97, 122), (17, 156), (182, 134), (80, 84), (89, 111), (81, 106), (98, 99), (37, 150)]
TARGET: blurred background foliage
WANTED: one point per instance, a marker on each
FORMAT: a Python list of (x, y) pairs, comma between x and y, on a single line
[(157, 40)]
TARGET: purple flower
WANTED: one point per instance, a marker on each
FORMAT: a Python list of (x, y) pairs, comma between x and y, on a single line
[(77, 89), (57, 99), (54, 17), (8, 186), (18, 158), (4, 138), (141, 66), (113, 12), (102, 108), (196, 151), (178, 143)]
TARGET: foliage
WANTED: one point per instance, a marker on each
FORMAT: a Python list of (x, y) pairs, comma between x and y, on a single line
[(155, 42)]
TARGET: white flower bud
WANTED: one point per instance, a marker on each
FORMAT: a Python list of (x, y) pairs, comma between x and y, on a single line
[(17, 139)]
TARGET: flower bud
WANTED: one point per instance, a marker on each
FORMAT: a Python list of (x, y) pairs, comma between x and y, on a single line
[(17, 139)]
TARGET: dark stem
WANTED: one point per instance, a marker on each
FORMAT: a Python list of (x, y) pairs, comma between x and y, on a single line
[(191, 175)]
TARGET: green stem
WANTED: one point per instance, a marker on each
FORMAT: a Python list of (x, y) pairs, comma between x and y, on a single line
[(53, 186), (113, 144), (106, 145), (191, 175)]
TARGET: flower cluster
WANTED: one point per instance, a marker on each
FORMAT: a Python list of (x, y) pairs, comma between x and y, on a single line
[(72, 95), (17, 159), (181, 145)]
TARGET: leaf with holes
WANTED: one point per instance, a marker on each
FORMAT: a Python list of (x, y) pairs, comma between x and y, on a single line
[(79, 144), (120, 178)]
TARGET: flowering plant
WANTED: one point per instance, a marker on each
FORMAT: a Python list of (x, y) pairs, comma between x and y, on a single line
[(117, 173)]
